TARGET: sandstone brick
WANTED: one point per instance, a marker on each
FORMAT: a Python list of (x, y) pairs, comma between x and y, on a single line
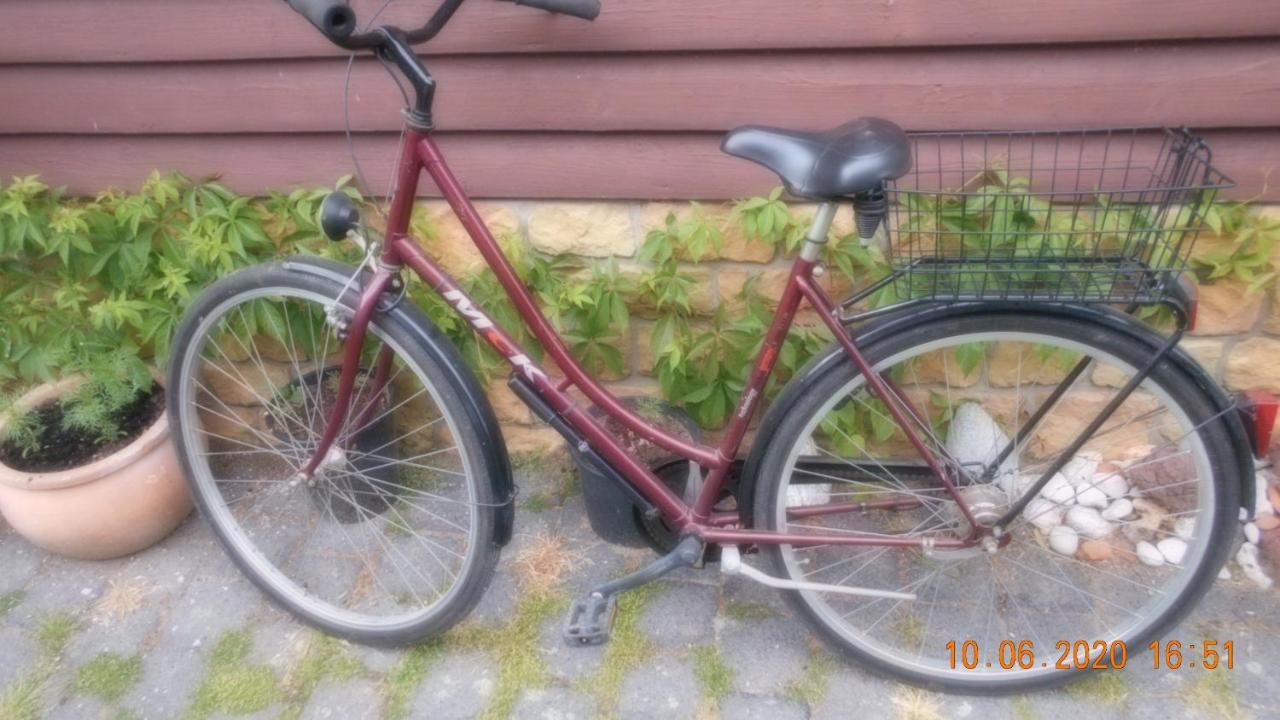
[(245, 383), (1011, 364), (1254, 364), (1271, 323), (1205, 351), (644, 359), (232, 423), (941, 367), (536, 440), (770, 284), (1226, 309), (448, 242), (508, 407), (1123, 430), (736, 247), (589, 229)]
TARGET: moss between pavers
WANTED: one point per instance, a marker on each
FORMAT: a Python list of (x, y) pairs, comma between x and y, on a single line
[(232, 686), (108, 676), (742, 610), (405, 675), (627, 649), (1213, 692), (1109, 688), (715, 677), (514, 647), (325, 658), (811, 686), (9, 601)]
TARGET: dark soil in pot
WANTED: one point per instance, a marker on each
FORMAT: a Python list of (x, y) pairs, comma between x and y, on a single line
[(62, 448)]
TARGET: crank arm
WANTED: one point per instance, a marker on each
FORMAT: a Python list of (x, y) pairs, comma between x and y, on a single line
[(731, 564)]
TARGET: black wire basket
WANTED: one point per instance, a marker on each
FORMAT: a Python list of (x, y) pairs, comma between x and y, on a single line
[(1086, 216)]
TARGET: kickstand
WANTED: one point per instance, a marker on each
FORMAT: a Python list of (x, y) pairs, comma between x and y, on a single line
[(591, 619)]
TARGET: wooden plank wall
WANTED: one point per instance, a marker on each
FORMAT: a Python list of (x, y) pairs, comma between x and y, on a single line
[(100, 92)]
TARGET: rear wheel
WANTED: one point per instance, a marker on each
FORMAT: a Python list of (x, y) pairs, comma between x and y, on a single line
[(391, 541), (1116, 549)]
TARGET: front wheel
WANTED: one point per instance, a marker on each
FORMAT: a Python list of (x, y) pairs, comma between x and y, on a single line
[(391, 540), (1115, 550)]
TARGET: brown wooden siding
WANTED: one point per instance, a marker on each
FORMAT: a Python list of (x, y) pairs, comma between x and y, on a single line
[(96, 92)]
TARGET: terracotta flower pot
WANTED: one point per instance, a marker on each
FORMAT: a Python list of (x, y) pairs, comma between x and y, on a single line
[(114, 506)]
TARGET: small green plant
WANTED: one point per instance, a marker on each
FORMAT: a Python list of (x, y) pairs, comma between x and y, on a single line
[(21, 699), (108, 676), (404, 677), (811, 686), (1251, 240)]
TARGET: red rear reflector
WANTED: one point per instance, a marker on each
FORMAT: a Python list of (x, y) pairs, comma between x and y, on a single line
[(1262, 407)]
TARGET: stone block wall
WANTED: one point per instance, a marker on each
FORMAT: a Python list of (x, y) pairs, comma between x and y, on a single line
[(1237, 337)]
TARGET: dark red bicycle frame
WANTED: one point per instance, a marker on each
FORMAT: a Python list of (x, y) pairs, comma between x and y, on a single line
[(420, 152)]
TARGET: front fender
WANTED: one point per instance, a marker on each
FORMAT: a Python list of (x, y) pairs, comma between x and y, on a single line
[(908, 319), (475, 404)]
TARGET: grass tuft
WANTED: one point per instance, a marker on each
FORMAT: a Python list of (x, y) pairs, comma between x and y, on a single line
[(916, 704), (21, 700), (715, 677), (544, 563), (1023, 709), (232, 686), (811, 686), (55, 631), (1104, 687), (515, 648), (108, 676)]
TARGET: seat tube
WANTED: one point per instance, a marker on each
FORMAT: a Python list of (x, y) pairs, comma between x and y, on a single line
[(816, 239)]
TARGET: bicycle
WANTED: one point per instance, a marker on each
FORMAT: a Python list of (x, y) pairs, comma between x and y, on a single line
[(993, 452)]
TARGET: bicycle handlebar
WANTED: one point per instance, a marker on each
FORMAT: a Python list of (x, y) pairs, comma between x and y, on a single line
[(337, 21)]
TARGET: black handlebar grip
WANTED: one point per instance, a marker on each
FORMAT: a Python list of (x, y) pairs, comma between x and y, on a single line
[(331, 17), (585, 9)]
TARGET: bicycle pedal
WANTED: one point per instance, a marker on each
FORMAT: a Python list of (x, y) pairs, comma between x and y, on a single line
[(591, 620)]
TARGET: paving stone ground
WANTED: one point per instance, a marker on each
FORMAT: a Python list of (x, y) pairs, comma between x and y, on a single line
[(175, 606)]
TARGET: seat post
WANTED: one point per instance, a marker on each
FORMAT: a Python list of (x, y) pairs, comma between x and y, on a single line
[(816, 238)]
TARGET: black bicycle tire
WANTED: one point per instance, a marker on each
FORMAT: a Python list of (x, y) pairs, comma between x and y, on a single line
[(439, 618), (1167, 375)]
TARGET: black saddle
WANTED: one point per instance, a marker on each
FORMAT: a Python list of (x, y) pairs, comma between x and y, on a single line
[(853, 158)]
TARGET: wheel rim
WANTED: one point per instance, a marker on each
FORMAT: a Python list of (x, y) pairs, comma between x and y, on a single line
[(387, 534), (915, 640)]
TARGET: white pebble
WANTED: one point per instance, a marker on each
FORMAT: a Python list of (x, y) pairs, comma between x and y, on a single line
[(1224, 574), (1247, 557), (1251, 533), (1148, 554), (1064, 540), (1173, 549), (1118, 510), (1184, 528), (1059, 490), (1113, 484), (1261, 502), (1080, 469), (1090, 496), (1088, 522), (1043, 514)]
